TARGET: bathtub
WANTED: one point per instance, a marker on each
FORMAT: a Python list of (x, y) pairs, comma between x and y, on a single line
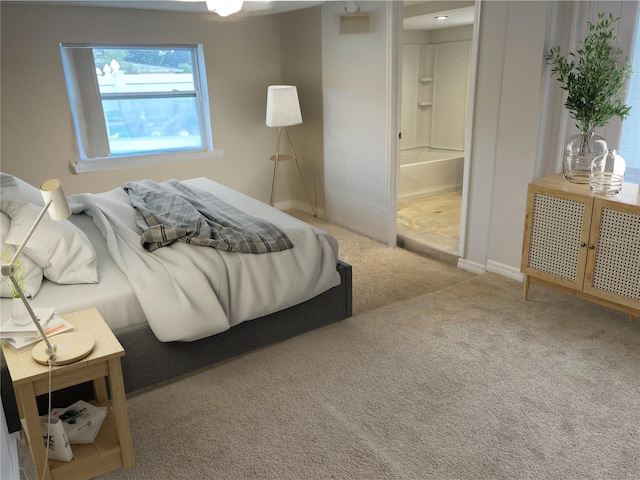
[(426, 171)]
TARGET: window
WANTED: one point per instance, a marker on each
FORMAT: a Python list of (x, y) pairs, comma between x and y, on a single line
[(630, 141), (137, 105)]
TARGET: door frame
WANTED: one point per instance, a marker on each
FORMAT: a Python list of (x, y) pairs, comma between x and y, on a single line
[(395, 69)]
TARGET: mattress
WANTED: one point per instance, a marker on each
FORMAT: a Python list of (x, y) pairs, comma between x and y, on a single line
[(113, 296)]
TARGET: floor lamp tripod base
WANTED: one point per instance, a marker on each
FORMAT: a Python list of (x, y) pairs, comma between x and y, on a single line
[(278, 158)]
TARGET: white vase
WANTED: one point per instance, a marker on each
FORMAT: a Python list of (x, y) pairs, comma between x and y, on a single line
[(19, 313)]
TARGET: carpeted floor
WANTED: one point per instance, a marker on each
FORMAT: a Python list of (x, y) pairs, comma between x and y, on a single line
[(384, 275), (469, 382), (465, 381)]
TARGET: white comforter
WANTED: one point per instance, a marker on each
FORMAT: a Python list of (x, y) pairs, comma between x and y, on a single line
[(190, 292)]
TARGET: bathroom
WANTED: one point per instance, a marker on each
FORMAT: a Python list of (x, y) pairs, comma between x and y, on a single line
[(435, 91)]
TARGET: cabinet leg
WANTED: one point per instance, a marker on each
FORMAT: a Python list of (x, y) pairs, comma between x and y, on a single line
[(525, 291)]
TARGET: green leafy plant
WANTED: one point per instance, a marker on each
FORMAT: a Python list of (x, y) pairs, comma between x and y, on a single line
[(593, 76), (18, 273)]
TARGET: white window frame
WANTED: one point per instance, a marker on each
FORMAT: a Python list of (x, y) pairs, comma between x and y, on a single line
[(631, 125), (86, 106)]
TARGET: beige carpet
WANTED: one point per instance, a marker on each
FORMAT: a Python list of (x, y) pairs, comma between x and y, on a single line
[(466, 382), (469, 382), (384, 275)]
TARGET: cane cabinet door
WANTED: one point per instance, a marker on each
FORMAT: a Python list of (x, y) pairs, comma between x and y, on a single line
[(613, 261), (556, 236)]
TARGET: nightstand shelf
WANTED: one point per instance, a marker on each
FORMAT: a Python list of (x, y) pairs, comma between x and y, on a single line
[(103, 454), (112, 448)]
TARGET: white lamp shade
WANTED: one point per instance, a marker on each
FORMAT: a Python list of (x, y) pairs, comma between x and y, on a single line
[(283, 107), (59, 208)]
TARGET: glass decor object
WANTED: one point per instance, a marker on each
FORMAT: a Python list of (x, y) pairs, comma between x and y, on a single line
[(19, 313), (581, 150), (607, 173)]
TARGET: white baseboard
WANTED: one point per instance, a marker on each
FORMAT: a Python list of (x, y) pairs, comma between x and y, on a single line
[(504, 270), (298, 205), (491, 266), (470, 266)]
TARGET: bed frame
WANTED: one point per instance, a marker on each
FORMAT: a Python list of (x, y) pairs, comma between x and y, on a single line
[(148, 362)]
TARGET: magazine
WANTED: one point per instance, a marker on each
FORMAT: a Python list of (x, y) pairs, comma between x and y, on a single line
[(81, 421), (54, 438)]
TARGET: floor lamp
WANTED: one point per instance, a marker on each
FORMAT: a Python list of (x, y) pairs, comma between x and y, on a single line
[(283, 109)]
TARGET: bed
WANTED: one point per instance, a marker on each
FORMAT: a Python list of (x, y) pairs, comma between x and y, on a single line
[(181, 307)]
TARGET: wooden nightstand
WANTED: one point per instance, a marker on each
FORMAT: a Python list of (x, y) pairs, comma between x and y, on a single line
[(112, 448)]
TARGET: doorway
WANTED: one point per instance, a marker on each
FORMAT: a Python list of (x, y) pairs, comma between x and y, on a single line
[(436, 66)]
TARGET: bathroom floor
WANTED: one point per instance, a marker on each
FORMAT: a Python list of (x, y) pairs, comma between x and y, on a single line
[(431, 225)]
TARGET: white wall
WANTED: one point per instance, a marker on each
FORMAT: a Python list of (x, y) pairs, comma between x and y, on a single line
[(410, 88), (493, 20), (452, 34), (518, 130), (357, 107), (450, 94), (301, 60), (515, 101), (242, 59)]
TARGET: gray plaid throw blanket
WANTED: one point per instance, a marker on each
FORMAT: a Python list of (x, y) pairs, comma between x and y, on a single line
[(171, 211)]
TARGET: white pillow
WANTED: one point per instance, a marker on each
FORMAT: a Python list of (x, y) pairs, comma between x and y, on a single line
[(32, 272), (16, 189), (60, 248)]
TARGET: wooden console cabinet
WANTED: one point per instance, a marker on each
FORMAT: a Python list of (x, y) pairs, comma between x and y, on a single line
[(583, 244)]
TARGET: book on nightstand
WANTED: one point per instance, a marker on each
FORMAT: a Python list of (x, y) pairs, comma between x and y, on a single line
[(8, 329), (54, 438), (52, 325), (81, 421)]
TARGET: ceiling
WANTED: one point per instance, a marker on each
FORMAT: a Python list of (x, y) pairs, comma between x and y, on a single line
[(455, 18), (419, 15), (249, 8)]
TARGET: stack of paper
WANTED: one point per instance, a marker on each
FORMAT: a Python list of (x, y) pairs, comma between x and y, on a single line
[(23, 337)]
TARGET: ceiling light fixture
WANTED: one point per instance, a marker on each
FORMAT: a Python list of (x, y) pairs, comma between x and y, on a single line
[(224, 7), (442, 17)]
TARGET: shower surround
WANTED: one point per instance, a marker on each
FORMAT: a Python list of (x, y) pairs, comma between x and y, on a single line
[(435, 80)]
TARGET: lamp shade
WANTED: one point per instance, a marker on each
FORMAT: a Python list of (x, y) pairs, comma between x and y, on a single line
[(59, 208), (283, 107)]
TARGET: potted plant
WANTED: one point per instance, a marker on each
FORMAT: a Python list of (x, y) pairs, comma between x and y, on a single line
[(593, 78)]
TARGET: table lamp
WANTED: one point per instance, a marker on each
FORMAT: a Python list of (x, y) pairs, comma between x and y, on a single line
[(283, 110), (68, 347)]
